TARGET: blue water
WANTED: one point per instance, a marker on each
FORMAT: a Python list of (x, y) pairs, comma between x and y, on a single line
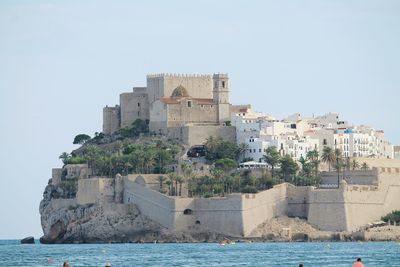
[(254, 254)]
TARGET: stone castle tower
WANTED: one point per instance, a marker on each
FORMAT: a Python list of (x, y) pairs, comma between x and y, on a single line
[(221, 96)]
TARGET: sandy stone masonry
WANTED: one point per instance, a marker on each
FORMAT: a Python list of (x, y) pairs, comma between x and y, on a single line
[(173, 104)]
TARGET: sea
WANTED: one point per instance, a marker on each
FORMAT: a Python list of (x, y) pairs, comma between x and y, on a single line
[(12, 253)]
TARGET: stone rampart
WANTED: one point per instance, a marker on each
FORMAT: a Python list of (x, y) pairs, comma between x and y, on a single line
[(198, 134), (353, 206), (257, 208), (298, 200), (96, 189), (367, 177), (156, 206)]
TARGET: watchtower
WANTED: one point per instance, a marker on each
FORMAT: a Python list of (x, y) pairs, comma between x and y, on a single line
[(221, 96)]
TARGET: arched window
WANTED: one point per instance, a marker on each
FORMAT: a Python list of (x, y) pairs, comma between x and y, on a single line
[(187, 212)]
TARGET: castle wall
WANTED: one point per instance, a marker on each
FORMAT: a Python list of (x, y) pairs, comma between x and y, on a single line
[(298, 201), (156, 206), (56, 176), (198, 134), (367, 204), (111, 119), (158, 117), (162, 85), (96, 189), (257, 208), (327, 209), (181, 114), (354, 206), (134, 106), (367, 177)]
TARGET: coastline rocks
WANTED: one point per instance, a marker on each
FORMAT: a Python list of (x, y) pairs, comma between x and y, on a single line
[(28, 240)]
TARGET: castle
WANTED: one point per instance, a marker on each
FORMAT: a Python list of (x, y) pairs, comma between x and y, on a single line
[(193, 107), (186, 107)]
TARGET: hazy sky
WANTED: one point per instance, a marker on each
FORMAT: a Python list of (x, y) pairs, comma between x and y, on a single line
[(62, 61)]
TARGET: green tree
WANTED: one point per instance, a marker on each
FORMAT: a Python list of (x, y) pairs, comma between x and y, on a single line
[(161, 179), (272, 158), (313, 156), (241, 150), (64, 157), (227, 165), (180, 180), (364, 166), (328, 156), (219, 148), (289, 168), (81, 139), (354, 164), (339, 163)]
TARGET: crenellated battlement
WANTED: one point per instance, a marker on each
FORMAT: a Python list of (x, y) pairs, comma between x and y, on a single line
[(178, 75), (388, 170)]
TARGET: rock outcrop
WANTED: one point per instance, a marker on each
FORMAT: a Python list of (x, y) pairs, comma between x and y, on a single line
[(28, 240)]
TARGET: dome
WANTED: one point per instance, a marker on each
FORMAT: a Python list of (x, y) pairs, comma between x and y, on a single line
[(180, 91)]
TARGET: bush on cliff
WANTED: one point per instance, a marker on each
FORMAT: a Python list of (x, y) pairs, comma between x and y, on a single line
[(219, 148), (394, 216)]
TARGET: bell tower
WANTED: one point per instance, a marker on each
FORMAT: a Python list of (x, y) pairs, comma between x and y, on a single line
[(221, 96)]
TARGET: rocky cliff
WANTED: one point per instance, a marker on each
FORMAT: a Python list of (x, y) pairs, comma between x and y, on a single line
[(63, 221)]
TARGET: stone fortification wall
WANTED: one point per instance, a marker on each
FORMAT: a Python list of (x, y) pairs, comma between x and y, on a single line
[(367, 177), (222, 215), (181, 114), (156, 206), (111, 119), (77, 171), (327, 209), (56, 176), (236, 215), (365, 204), (158, 117), (134, 106), (257, 208), (96, 189), (197, 134), (162, 85), (354, 206), (298, 201), (149, 180)]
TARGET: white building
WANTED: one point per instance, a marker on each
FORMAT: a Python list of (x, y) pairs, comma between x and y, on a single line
[(296, 136)]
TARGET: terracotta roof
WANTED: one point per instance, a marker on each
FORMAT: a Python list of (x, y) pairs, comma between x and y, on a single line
[(176, 100)]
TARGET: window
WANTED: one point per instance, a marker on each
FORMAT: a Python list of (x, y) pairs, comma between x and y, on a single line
[(138, 113), (138, 104), (187, 212), (325, 142), (189, 103), (259, 150), (223, 84)]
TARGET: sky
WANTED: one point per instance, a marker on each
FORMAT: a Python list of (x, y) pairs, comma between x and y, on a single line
[(61, 62)]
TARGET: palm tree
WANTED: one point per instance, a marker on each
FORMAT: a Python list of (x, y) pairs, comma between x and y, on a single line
[(161, 179), (328, 156), (364, 166), (313, 157), (180, 180), (272, 157), (172, 177), (338, 157), (64, 156), (169, 187), (354, 164), (241, 150)]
